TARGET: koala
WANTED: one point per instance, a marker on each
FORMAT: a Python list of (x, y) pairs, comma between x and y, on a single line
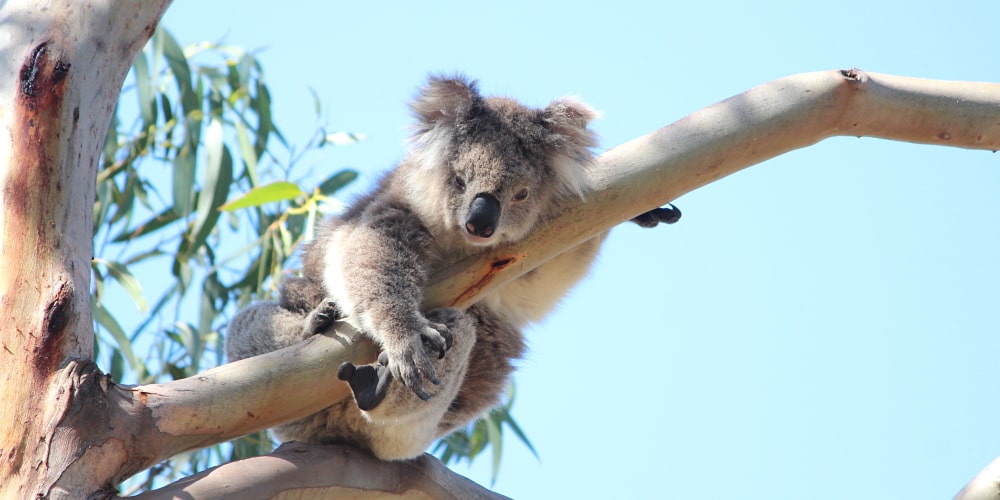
[(480, 172)]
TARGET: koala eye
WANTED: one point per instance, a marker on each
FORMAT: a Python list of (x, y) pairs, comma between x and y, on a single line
[(460, 183), (520, 195)]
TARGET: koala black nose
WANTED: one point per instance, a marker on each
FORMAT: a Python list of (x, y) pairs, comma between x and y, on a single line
[(483, 215)]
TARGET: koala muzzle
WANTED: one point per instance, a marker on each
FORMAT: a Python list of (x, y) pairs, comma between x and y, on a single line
[(483, 215)]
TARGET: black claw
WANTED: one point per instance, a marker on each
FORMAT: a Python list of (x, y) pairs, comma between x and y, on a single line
[(422, 395)]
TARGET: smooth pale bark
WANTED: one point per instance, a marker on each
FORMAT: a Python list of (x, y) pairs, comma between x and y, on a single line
[(985, 486), (62, 63), (298, 470)]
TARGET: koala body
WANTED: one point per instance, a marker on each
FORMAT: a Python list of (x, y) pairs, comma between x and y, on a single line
[(480, 172)]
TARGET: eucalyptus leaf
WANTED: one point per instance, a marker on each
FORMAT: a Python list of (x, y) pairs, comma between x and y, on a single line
[(268, 193)]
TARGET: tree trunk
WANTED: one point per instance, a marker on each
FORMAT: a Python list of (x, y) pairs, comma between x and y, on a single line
[(62, 70)]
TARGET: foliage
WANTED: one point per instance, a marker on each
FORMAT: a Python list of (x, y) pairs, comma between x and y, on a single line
[(192, 131), (186, 137)]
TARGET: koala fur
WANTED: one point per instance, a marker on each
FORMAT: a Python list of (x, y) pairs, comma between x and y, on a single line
[(480, 172)]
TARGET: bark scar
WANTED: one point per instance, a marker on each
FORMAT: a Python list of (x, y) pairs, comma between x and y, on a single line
[(29, 72), (57, 318), (32, 72), (488, 273), (854, 75)]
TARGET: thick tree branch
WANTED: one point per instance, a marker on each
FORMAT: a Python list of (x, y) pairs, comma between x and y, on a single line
[(237, 398), (985, 486), (325, 472), (746, 129)]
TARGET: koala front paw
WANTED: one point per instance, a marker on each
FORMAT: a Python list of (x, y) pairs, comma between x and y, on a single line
[(408, 357), (667, 215)]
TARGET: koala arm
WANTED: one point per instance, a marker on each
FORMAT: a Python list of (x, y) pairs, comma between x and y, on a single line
[(375, 271)]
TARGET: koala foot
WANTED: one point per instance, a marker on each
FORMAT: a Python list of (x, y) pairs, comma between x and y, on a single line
[(667, 215), (321, 318), (369, 383)]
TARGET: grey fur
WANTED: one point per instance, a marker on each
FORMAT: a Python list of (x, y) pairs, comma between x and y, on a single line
[(480, 172)]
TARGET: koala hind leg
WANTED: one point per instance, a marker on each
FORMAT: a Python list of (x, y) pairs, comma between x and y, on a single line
[(402, 424)]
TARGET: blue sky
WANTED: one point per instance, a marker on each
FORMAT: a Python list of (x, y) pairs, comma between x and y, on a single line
[(823, 325)]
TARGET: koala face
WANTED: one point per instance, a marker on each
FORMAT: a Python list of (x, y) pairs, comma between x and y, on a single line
[(496, 192), (489, 168)]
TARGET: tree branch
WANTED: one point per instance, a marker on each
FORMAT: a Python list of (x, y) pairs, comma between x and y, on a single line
[(719, 140), (985, 486), (240, 397), (630, 179), (325, 471)]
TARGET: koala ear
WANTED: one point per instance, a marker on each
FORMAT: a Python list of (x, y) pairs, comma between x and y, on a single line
[(443, 101), (441, 104), (570, 140)]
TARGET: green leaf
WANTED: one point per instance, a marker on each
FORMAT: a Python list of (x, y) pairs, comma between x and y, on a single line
[(131, 285), (495, 437), (268, 193), (247, 153), (183, 184), (106, 320), (178, 63), (191, 341), (337, 181), (144, 90), (215, 188), (102, 204), (317, 104), (158, 222), (517, 430)]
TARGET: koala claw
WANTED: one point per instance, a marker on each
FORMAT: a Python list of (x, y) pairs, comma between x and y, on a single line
[(667, 215), (437, 337), (408, 360)]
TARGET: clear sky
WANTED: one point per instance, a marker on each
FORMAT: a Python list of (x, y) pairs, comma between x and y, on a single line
[(825, 325)]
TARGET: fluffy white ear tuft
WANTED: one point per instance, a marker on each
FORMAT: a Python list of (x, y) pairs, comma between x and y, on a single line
[(570, 140), (442, 102)]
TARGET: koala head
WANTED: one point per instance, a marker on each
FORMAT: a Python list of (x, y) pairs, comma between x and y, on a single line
[(487, 169)]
